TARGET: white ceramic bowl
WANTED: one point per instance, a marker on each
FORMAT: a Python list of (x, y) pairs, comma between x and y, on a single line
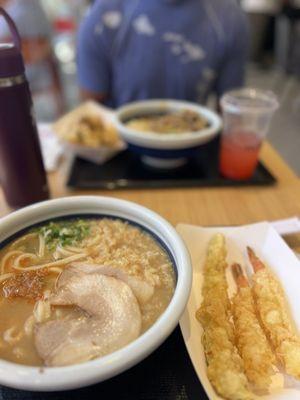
[(169, 147), (71, 377)]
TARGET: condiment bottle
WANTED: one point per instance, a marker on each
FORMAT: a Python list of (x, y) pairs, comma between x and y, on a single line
[(22, 173)]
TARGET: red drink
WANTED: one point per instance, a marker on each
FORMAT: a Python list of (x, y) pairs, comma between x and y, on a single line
[(247, 114), (239, 154)]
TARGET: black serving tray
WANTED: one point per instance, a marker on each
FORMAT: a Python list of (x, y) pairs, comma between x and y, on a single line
[(167, 374), (126, 171)]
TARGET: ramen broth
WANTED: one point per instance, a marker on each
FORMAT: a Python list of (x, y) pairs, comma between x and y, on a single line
[(33, 264)]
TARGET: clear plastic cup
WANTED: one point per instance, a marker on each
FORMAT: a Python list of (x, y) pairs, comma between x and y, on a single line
[(247, 114)]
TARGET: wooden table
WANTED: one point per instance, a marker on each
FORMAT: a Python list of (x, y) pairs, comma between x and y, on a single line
[(210, 206)]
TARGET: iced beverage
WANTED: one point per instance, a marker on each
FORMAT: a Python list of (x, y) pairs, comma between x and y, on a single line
[(247, 114)]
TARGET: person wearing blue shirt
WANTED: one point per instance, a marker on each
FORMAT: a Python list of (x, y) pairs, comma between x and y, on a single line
[(181, 49)]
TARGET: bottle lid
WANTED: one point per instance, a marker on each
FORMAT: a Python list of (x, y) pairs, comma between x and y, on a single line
[(11, 60)]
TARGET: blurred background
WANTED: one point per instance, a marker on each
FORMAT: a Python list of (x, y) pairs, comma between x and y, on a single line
[(274, 63)]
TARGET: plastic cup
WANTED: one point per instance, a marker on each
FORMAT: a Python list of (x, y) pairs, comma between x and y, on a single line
[(247, 114)]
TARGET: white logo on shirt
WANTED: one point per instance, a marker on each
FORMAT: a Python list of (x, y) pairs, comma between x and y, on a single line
[(172, 37), (176, 49), (143, 25), (112, 19), (186, 50)]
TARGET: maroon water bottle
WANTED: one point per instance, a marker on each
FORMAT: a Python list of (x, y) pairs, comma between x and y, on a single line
[(22, 173)]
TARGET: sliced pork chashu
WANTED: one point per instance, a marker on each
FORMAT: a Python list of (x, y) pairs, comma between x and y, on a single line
[(142, 289), (111, 319)]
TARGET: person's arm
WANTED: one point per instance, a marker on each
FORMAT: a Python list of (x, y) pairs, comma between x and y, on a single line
[(232, 70), (92, 59)]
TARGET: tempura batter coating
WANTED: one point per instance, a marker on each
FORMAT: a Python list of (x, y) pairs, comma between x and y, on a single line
[(251, 341), (224, 365), (214, 271), (272, 308)]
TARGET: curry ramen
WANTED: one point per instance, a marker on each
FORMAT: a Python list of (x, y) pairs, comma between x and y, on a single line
[(78, 289)]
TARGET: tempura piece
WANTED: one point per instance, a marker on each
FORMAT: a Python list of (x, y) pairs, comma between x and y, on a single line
[(224, 365), (87, 125), (251, 341), (273, 312), (214, 270)]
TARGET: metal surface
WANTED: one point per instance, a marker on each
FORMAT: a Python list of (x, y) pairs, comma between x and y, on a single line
[(12, 81)]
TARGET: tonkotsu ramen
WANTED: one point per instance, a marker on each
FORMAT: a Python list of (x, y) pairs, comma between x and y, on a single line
[(77, 289)]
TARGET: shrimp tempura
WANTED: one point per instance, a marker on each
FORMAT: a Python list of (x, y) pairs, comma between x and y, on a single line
[(224, 365), (252, 343), (272, 308)]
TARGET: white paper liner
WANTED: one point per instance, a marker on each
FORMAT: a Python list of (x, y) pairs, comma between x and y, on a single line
[(280, 259)]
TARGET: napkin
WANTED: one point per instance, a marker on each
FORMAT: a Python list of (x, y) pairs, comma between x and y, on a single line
[(52, 150)]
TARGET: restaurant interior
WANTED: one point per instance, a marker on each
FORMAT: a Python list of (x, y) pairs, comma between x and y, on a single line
[(149, 199)]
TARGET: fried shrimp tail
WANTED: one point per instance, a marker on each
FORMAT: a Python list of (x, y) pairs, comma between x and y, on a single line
[(274, 315), (239, 277), (251, 341), (224, 365), (256, 263)]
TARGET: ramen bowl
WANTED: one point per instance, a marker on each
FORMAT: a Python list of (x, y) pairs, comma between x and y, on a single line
[(97, 370), (165, 150)]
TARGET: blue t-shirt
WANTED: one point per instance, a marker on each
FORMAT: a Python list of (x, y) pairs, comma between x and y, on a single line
[(180, 49)]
